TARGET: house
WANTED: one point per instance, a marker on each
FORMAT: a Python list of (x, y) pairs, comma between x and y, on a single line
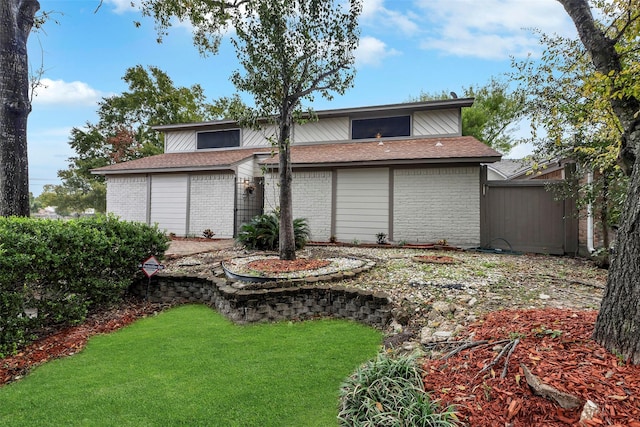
[(404, 170)]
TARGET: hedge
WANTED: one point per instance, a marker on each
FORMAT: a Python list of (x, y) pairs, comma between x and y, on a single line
[(62, 269)]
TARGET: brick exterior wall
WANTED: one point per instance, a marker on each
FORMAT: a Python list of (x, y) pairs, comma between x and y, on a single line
[(127, 197), (212, 203), (431, 204), (311, 192)]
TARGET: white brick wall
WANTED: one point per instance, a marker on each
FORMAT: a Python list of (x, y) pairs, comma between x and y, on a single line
[(431, 204), (311, 192), (127, 197), (212, 204)]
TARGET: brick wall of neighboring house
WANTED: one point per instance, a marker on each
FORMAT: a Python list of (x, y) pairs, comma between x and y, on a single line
[(431, 204), (311, 192), (212, 203), (598, 237), (127, 197), (557, 174)]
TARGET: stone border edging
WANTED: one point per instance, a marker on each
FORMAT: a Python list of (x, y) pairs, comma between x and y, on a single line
[(267, 305), (310, 279)]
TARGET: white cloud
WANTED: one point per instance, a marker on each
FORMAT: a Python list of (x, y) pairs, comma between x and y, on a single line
[(123, 6), (372, 51), (493, 29), (59, 92), (375, 14)]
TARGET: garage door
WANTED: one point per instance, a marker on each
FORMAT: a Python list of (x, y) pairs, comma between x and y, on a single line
[(362, 204), (169, 203)]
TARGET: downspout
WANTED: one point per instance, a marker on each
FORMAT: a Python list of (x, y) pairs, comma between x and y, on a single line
[(590, 247)]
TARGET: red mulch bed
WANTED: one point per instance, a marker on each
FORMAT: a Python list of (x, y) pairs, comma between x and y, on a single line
[(284, 266), (194, 239), (71, 340), (571, 362)]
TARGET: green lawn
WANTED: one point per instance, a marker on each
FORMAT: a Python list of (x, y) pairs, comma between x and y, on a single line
[(190, 366)]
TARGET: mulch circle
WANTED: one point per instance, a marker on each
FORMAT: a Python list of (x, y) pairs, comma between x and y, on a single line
[(271, 265), (556, 346), (435, 259)]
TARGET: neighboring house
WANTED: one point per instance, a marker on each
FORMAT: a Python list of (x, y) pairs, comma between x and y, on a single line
[(402, 169), (507, 169)]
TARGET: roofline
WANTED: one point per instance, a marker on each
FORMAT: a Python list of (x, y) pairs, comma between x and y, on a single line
[(164, 170), (494, 169), (388, 108), (398, 162)]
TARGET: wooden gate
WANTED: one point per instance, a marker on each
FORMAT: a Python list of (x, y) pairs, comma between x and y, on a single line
[(523, 216)]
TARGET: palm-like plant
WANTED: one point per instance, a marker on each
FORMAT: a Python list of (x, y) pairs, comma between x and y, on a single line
[(262, 232)]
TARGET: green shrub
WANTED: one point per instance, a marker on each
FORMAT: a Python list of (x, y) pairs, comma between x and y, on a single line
[(63, 269), (389, 392), (263, 232)]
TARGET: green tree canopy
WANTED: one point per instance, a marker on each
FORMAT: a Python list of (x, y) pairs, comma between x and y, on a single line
[(124, 132), (568, 102), (611, 44), (494, 115), (290, 50)]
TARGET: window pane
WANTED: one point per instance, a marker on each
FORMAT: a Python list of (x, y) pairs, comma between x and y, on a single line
[(219, 139), (384, 126)]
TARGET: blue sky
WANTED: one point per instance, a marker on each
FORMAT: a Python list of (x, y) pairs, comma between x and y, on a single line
[(406, 47)]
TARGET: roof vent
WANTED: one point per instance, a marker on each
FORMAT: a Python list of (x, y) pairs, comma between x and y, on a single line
[(438, 144)]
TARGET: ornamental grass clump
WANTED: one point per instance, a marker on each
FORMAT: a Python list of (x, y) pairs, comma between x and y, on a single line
[(389, 392)]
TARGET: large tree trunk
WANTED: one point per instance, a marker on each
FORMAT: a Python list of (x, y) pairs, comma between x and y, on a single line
[(287, 242), (16, 21), (618, 324)]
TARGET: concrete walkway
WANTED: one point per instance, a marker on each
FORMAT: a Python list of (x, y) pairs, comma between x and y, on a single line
[(190, 247)]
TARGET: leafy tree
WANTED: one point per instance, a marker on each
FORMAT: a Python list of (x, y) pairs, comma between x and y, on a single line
[(612, 46), (34, 204), (17, 18), (290, 51), (123, 132), (578, 123), (493, 115)]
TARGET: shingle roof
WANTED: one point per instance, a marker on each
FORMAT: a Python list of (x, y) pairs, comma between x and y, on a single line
[(197, 160), (423, 150), (511, 167)]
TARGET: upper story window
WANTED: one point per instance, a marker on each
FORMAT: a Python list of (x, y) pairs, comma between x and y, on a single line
[(218, 139), (381, 127)]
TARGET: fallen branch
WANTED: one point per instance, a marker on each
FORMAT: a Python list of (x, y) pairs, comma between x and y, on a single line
[(506, 360), (565, 400), (463, 347), (466, 345), (511, 344), (591, 285)]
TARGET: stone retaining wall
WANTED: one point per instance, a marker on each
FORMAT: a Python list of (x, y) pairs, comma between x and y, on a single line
[(265, 305)]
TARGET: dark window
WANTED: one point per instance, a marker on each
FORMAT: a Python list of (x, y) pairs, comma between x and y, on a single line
[(219, 139), (385, 127)]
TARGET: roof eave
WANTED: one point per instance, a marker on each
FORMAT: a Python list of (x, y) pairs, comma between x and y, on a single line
[(398, 162), (163, 170)]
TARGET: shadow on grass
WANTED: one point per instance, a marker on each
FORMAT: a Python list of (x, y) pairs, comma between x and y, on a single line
[(191, 366)]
